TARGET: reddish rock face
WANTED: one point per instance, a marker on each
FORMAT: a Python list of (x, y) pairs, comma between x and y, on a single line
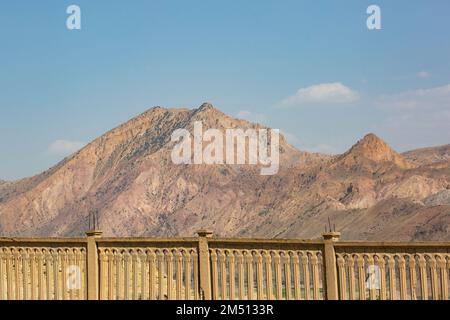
[(127, 176), (373, 148)]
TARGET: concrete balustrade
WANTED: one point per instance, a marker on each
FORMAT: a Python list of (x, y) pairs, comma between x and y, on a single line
[(205, 267)]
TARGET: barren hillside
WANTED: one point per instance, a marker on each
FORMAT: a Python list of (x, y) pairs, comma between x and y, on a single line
[(127, 176)]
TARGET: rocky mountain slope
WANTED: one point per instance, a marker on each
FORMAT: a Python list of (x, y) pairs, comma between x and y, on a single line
[(431, 155), (128, 178)]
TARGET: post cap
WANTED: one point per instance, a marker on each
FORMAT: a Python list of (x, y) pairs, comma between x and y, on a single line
[(94, 233), (205, 233), (333, 236)]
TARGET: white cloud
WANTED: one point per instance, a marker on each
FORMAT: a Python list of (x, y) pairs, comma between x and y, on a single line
[(325, 93), (65, 147), (251, 116), (431, 98), (417, 117), (423, 74)]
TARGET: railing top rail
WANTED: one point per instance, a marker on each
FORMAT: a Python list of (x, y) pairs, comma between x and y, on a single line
[(110, 242), (221, 242), (149, 239), (262, 240), (283, 244)]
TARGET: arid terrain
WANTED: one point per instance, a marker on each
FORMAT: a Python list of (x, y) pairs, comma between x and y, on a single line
[(128, 178)]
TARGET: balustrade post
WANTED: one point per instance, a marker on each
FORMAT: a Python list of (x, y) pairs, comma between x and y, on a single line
[(329, 260), (92, 264), (204, 264)]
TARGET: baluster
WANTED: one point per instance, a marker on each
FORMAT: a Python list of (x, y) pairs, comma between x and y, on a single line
[(33, 284), (40, 274), (269, 279), (135, 277), (119, 271), (423, 277), (66, 274), (316, 279), (56, 287), (412, 276), (278, 283), (361, 277), (434, 278), (179, 275), (63, 254), (214, 274), (16, 263), (77, 263), (259, 276), (306, 281), (103, 269), (402, 275), (223, 275), (126, 274), (382, 269), (196, 284), (187, 263), (25, 263), (351, 277), (240, 259), (111, 276), (144, 275), (160, 274), (444, 277), (9, 275), (83, 263), (71, 262), (287, 275), (372, 277), (152, 274), (232, 274), (48, 268), (342, 278), (295, 265), (169, 255), (250, 284), (392, 278)]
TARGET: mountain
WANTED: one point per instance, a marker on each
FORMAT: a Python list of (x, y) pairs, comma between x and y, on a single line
[(373, 149), (127, 175), (427, 156), (128, 178)]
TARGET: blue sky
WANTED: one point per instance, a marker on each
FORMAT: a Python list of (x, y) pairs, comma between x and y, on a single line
[(309, 68)]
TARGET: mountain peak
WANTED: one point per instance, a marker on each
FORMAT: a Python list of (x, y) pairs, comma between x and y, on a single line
[(206, 106), (373, 148), (209, 109), (371, 142)]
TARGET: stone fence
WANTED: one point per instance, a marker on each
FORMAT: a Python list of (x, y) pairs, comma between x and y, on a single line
[(221, 269)]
